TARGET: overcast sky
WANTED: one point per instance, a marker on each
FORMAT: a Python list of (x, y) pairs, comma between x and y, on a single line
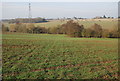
[(60, 0), (59, 9)]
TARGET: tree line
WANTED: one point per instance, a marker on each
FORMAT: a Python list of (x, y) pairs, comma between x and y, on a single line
[(26, 20), (71, 28)]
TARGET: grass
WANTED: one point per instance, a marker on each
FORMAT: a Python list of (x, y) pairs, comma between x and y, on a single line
[(38, 56), (106, 24)]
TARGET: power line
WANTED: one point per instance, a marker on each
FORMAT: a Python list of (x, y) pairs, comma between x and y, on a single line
[(30, 15)]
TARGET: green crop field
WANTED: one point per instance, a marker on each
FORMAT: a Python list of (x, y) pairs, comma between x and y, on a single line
[(49, 56)]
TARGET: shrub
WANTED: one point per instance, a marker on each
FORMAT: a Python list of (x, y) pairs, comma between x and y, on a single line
[(39, 30), (72, 29), (30, 27), (12, 28), (4, 28), (56, 30), (21, 28), (97, 30), (88, 32), (105, 33)]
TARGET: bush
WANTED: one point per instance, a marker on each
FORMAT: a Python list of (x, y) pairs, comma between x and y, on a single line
[(39, 30), (96, 30), (72, 29), (105, 33), (88, 33), (12, 28), (4, 28), (56, 30), (21, 28), (30, 27)]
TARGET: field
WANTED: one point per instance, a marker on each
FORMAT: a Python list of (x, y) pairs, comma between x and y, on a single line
[(105, 23), (38, 56)]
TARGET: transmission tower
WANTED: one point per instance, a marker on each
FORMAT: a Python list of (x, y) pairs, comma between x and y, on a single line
[(30, 15)]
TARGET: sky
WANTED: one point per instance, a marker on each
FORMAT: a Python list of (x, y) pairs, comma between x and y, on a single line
[(60, 0), (58, 9)]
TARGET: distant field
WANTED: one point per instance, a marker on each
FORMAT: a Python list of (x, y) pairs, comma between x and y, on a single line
[(31, 56), (105, 23)]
